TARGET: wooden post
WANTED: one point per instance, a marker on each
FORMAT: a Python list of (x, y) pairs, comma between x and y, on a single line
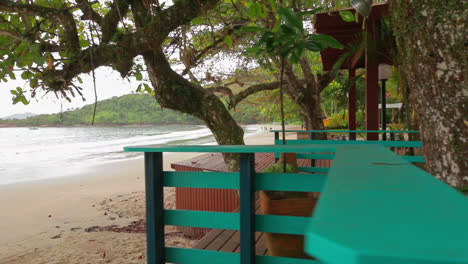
[(372, 85), (392, 138), (154, 180), (274, 143), (383, 119), (247, 208), (352, 105)]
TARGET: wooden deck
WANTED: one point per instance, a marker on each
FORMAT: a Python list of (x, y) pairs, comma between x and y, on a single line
[(229, 240), (200, 199), (219, 200), (215, 162)]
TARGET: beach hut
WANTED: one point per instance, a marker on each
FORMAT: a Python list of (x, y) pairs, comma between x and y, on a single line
[(347, 33)]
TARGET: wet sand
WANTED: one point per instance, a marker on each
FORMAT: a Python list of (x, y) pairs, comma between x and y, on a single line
[(51, 221)]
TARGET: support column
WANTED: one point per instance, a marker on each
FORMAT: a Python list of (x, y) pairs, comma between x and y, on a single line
[(383, 119), (274, 143), (247, 208), (154, 185), (352, 105), (372, 87)]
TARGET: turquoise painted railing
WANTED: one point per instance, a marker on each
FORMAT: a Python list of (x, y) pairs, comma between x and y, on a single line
[(246, 180), (352, 133), (375, 207), (392, 144)]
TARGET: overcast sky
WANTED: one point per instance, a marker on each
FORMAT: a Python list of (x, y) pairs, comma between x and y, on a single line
[(108, 82)]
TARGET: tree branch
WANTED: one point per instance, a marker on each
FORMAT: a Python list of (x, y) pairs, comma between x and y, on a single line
[(12, 35), (234, 99), (88, 12), (171, 18), (71, 40), (251, 90), (201, 54), (294, 85), (111, 20), (223, 90), (213, 45), (305, 66), (30, 38), (102, 55)]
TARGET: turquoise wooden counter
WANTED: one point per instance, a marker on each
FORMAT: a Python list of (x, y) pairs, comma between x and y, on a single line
[(378, 208)]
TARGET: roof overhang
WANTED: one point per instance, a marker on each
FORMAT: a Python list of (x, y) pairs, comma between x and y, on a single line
[(347, 33)]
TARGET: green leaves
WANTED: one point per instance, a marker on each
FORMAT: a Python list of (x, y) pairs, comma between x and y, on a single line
[(228, 41), (312, 12), (289, 41), (26, 75), (291, 19), (325, 41), (251, 29), (197, 21), (84, 43), (36, 49), (144, 87), (18, 96), (255, 10), (138, 76), (312, 46), (347, 15)]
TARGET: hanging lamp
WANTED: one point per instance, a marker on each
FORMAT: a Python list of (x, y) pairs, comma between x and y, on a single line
[(363, 7)]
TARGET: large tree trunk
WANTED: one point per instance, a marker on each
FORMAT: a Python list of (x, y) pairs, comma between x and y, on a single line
[(310, 106), (431, 39), (174, 92), (306, 94)]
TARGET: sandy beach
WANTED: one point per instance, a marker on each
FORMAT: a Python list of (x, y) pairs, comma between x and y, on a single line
[(93, 217)]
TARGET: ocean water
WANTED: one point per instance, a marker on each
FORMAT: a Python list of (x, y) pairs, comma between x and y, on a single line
[(32, 154)]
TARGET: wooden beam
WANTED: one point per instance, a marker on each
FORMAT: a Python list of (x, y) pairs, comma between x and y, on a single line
[(247, 208), (352, 105), (154, 184), (372, 86)]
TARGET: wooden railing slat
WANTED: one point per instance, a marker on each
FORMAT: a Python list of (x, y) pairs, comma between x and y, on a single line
[(294, 182), (406, 144), (220, 220), (197, 256)]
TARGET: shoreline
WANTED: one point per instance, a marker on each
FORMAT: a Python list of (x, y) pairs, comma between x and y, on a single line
[(116, 125), (35, 212), (22, 170)]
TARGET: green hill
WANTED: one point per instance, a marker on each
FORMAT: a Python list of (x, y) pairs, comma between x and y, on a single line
[(137, 109)]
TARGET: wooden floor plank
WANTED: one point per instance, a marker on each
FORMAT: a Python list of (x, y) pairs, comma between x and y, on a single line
[(261, 246), (229, 240), (232, 244), (221, 240), (208, 238), (215, 162), (257, 236)]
